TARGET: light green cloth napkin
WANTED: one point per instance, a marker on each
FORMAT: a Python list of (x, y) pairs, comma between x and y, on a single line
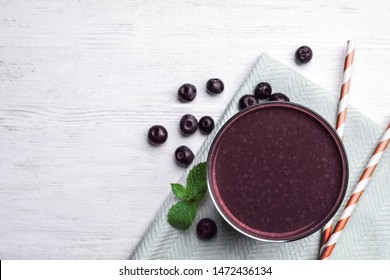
[(367, 235)]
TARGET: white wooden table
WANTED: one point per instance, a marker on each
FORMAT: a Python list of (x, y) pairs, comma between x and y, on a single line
[(81, 82)]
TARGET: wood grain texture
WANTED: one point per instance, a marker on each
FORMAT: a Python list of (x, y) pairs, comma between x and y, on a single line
[(82, 81)]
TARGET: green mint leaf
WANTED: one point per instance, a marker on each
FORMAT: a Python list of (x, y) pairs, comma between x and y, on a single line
[(182, 214), (196, 182), (179, 191)]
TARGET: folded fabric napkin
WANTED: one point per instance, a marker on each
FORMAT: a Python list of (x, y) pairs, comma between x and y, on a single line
[(367, 235)]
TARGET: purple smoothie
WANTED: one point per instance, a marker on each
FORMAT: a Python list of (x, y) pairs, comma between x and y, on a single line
[(277, 171)]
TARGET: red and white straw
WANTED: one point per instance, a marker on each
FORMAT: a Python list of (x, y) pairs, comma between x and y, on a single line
[(341, 117), (357, 192), (344, 94)]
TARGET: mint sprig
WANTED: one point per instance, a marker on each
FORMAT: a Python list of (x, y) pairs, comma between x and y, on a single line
[(182, 214)]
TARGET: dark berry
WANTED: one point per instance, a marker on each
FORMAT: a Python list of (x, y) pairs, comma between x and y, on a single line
[(206, 229), (206, 124), (157, 134), (188, 124), (303, 55), (279, 97), (214, 86), (184, 156), (263, 90), (186, 93), (246, 101)]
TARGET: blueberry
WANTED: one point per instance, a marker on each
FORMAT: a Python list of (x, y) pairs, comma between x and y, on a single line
[(214, 86), (303, 55), (263, 90), (188, 124), (186, 93), (157, 134), (279, 97), (184, 156), (206, 229), (246, 101), (206, 124)]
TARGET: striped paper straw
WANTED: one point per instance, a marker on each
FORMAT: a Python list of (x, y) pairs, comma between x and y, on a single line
[(357, 192), (341, 117), (342, 110)]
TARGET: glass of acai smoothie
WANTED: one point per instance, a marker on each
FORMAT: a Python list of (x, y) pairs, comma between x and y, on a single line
[(277, 171)]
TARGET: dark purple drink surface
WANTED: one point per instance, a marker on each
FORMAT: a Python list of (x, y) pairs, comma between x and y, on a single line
[(277, 171)]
